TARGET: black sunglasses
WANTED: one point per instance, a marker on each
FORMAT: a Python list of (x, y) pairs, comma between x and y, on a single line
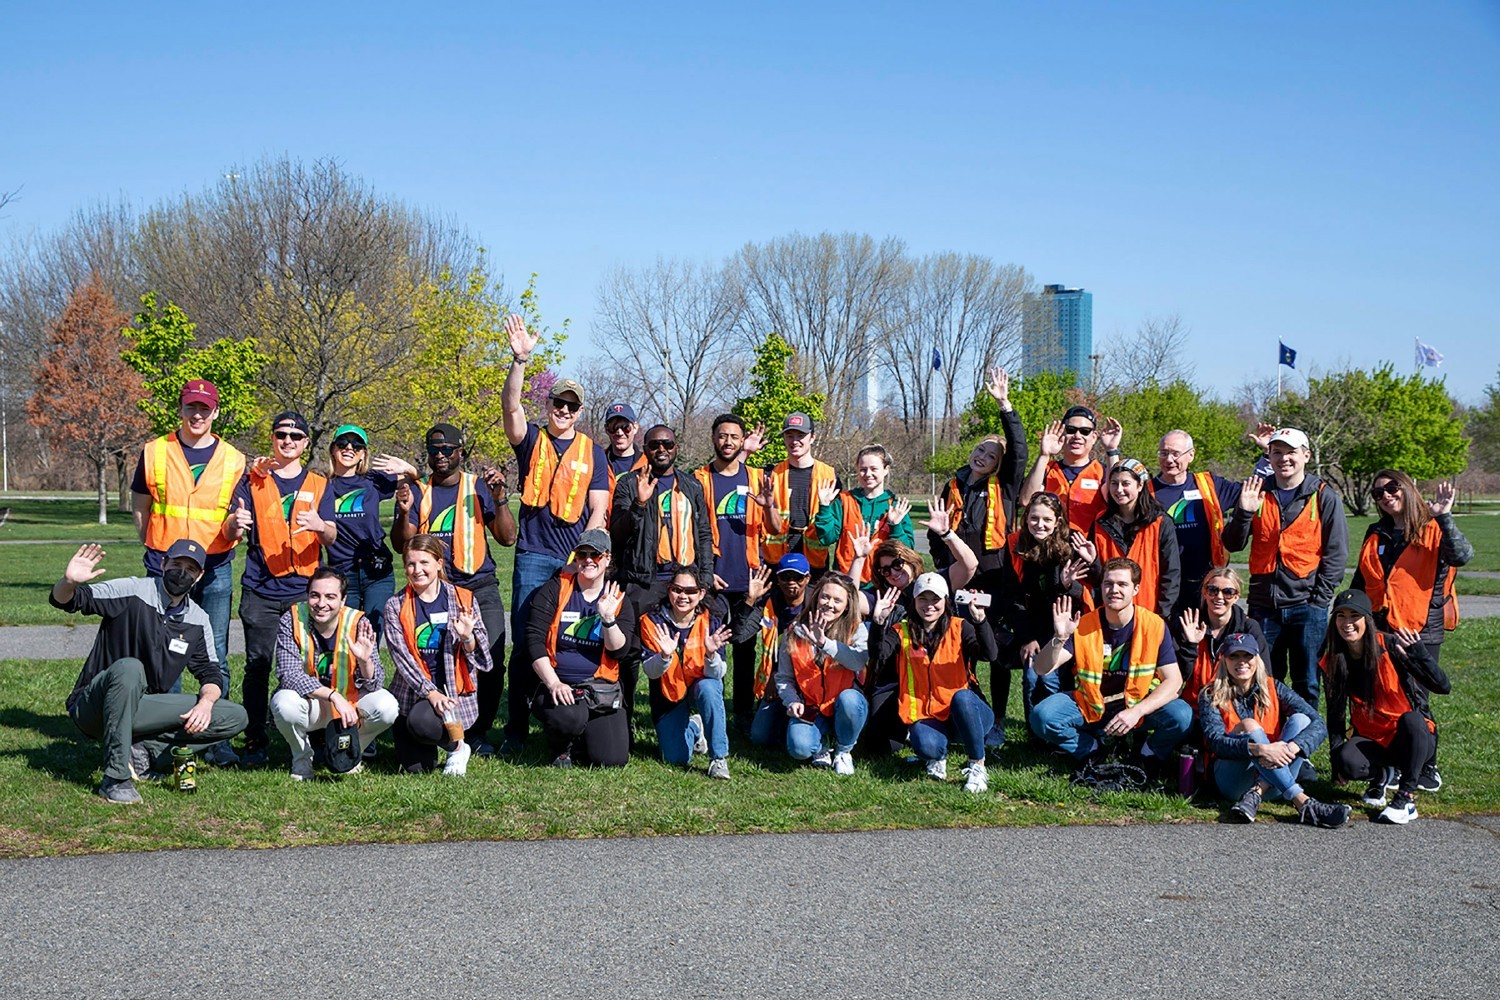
[(1213, 591), (559, 403), (290, 436), (442, 449), (1080, 431), (659, 444), (354, 444), (1389, 489)]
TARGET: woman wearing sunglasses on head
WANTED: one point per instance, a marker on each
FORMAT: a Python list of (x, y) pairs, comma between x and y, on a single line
[(1200, 633), (683, 645)]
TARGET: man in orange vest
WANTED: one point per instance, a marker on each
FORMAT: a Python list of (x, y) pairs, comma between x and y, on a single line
[(1196, 503), (798, 484), (1065, 465), (564, 481), (289, 515), (1299, 546), (1125, 674)]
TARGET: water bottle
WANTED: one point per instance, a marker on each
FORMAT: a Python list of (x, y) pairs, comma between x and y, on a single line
[(184, 769)]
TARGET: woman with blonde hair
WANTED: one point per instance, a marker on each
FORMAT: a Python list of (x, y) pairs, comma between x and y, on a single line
[(1201, 631), (1257, 729), (819, 669)]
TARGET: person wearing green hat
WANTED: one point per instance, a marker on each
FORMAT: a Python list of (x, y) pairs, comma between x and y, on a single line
[(360, 552)]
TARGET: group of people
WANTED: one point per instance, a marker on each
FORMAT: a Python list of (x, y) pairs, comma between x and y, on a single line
[(1106, 587)]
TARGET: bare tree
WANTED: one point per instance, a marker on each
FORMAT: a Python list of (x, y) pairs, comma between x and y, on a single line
[(1155, 353)]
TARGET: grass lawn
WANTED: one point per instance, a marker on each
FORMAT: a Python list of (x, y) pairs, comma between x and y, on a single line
[(49, 774)]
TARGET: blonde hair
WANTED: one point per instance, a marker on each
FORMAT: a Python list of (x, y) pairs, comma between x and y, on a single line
[(1221, 688)]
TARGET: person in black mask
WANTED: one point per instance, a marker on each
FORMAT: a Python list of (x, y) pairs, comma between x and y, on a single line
[(151, 632)]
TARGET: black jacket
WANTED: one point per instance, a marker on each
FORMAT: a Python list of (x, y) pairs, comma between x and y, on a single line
[(1417, 672), (635, 527), (976, 512)]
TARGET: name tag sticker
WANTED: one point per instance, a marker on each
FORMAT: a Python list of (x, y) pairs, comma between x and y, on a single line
[(578, 466), (438, 618), (570, 616), (178, 646), (1108, 650), (1192, 494), (742, 490), (304, 495), (1089, 484)]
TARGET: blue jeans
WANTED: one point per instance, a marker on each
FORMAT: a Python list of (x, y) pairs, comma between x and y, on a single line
[(1234, 777), (804, 737), (1058, 721), (369, 596), (676, 733), (532, 569), (768, 725), (1035, 689), (1299, 630), (968, 715)]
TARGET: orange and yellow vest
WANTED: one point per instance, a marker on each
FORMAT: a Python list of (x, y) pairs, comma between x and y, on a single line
[(1298, 546), (469, 547), (1083, 497), (926, 684), (287, 549), (781, 488), (994, 522), (1212, 513), (1088, 660), (560, 483), (341, 662), (820, 679), (463, 679), (677, 545), (688, 659), (609, 667), (770, 643), (1406, 595), (183, 508), (755, 525)]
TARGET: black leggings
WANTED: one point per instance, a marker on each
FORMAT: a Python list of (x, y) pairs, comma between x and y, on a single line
[(884, 733), (1410, 749), (599, 739), (418, 735)]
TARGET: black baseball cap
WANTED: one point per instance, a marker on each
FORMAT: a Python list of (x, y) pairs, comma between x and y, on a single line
[(1081, 411), (342, 745), (292, 418), (1356, 599), (445, 434), (186, 548)]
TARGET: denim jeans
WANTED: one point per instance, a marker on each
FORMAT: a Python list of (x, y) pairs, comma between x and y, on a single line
[(1059, 722), (804, 737), (677, 735), (769, 724), (1035, 689), (369, 596), (213, 593), (1298, 630), (532, 569), (968, 716), (1234, 777)]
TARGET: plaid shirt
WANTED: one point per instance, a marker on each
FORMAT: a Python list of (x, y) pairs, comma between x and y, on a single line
[(411, 683), (291, 663)]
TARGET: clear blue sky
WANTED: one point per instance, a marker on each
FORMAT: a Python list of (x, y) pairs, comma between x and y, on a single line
[(1325, 173)]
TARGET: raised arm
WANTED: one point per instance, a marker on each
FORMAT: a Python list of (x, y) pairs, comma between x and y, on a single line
[(522, 343)]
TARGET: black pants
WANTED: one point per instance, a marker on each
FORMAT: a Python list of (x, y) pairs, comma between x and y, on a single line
[(418, 735), (489, 686), (602, 739), (643, 598), (260, 617), (1410, 749), (743, 664), (884, 733)]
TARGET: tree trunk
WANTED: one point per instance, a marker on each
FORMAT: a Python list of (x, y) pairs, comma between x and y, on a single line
[(102, 461), (122, 473)]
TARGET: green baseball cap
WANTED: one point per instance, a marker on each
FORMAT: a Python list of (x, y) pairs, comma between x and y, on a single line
[(354, 429)]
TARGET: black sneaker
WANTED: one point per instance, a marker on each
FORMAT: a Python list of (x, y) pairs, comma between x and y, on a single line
[(1244, 810), (563, 760), (1328, 815), (484, 749), (259, 757), (512, 747), (1380, 780), (1401, 811), (1429, 780)]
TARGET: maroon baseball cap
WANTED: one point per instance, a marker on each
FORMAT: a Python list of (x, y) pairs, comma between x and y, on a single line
[(200, 391)]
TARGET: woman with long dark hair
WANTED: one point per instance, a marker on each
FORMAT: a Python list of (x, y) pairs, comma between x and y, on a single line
[(1134, 526), (818, 671)]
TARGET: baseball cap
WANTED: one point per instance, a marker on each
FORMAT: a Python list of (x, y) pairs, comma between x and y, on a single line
[(797, 422), (354, 430), (1081, 411), (595, 538), (1356, 599), (188, 549), (794, 562), (1290, 436), (1239, 642), (342, 745), (567, 385), (201, 391), (930, 583), (291, 417), (622, 411), (445, 434)]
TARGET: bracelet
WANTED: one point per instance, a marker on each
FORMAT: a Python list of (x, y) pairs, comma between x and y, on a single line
[(516, 359), (1112, 452), (946, 535), (608, 622)]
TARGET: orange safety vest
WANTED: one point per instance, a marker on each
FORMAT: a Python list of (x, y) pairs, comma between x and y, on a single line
[(994, 521), (1203, 482), (1406, 595), (1088, 660), (1298, 546), (469, 547), (754, 522), (183, 508), (781, 488), (820, 679), (561, 483), (853, 522), (341, 662), (614, 477), (677, 545), (928, 683), (1377, 721), (463, 679), (286, 548), (770, 642), (1145, 549), (688, 659), (609, 667), (1269, 718), (1204, 669), (1083, 497)]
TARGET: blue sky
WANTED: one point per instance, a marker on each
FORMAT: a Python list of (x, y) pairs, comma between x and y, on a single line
[(1324, 173)]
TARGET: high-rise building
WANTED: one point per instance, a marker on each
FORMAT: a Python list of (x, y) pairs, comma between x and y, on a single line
[(1058, 332)]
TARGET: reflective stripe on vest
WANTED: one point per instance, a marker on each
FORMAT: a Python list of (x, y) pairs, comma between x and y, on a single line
[(560, 483), (341, 661), (469, 546), (1297, 546), (994, 512), (182, 507), (609, 667), (1406, 595), (1088, 660), (770, 642), (927, 684), (287, 548), (674, 529)]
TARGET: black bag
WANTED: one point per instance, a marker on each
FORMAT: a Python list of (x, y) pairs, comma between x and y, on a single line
[(341, 744), (600, 696)]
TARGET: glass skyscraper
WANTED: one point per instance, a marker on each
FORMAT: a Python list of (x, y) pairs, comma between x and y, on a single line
[(1058, 332)]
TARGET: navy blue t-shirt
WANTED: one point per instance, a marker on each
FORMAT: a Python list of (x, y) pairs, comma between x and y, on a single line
[(440, 523), (257, 578), (1183, 503), (729, 509), (432, 626), (580, 639), (356, 511), (197, 460), (621, 464), (539, 530)]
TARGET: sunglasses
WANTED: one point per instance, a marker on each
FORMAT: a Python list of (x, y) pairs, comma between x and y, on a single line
[(1213, 591), (885, 569), (660, 445), (349, 444), (1389, 489), (442, 449), (589, 554), (687, 591), (565, 406), (1080, 431), (290, 436)]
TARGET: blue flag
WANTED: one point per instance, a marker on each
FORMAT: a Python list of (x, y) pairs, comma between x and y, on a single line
[(1288, 356), (937, 359)]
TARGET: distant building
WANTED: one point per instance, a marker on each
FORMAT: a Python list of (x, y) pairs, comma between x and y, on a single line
[(1058, 332)]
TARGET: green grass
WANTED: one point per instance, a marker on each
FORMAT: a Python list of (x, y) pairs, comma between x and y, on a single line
[(68, 517), (49, 772)]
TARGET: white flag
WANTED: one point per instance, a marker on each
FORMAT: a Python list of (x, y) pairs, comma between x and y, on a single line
[(1428, 356)]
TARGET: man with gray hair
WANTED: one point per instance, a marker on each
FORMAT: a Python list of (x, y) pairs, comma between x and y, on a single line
[(1196, 503)]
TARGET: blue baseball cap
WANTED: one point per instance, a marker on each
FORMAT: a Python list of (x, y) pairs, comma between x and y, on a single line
[(623, 411), (1239, 642), (794, 562)]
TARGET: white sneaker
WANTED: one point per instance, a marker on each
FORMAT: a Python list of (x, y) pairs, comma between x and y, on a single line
[(978, 777), (458, 760), (843, 763), (302, 770), (821, 759), (701, 744), (938, 769), (718, 768)]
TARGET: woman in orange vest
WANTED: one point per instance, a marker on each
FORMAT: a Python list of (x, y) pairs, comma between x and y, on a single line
[(926, 661), (771, 610), (1200, 632), (871, 510), (818, 671), (438, 643), (1257, 730), (683, 646), (1133, 525), (1377, 705), (580, 628)]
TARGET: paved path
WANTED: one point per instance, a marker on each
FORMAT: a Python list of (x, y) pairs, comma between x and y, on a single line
[(1273, 910)]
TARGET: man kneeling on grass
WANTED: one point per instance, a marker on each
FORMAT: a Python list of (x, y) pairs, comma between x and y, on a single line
[(328, 669), (151, 631)]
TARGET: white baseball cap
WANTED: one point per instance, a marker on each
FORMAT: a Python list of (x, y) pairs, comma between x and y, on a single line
[(930, 583), (1291, 436)]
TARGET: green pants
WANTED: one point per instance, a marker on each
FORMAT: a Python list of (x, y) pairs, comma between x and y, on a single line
[(115, 708)]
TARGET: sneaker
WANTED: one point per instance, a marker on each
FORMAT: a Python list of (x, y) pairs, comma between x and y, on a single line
[(695, 722), (458, 760), (995, 738), (255, 758), (1328, 815), (938, 769), (563, 760), (843, 763), (719, 768), (821, 759), (1374, 796), (370, 752), (1429, 780), (1401, 811), (120, 791), (140, 761), (483, 748), (221, 755), (1244, 810), (978, 777), (302, 770), (511, 747)]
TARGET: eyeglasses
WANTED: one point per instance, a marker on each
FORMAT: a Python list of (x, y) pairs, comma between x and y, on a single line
[(1389, 489), (886, 569), (290, 436), (686, 591), (565, 406), (350, 444), (442, 449), (660, 445), (1075, 429), (1213, 591), (1169, 453)]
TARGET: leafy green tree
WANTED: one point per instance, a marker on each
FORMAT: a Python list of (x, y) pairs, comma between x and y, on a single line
[(166, 359), (1151, 410), (775, 393), (1484, 429)]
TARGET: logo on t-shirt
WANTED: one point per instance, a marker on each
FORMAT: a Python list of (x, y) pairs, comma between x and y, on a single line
[(586, 631), (287, 502), (732, 505), (443, 523), (350, 503), (325, 663), (1182, 511), (430, 635), (197, 470)]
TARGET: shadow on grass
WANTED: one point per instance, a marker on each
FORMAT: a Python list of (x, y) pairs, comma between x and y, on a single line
[(70, 755)]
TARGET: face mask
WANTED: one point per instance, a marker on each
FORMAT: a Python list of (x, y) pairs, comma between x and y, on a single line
[(177, 581)]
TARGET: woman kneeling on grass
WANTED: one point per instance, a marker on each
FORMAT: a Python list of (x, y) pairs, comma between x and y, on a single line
[(818, 671), (1258, 729), (684, 660), (438, 642)]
